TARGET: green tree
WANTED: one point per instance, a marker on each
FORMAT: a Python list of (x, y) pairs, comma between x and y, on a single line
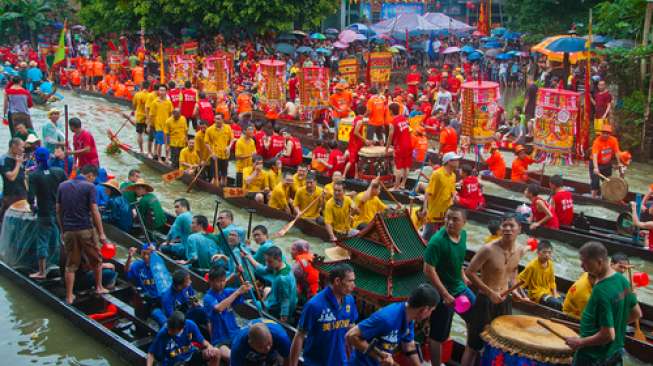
[(620, 18), (27, 16)]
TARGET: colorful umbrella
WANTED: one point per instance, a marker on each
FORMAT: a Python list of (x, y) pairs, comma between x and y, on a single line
[(323, 51), (298, 33), (503, 56), (284, 48), (360, 37), (467, 49), (319, 36), (474, 56), (567, 45), (621, 43), (492, 52), (331, 31), (340, 44), (347, 36), (304, 49), (492, 45), (359, 27), (557, 56)]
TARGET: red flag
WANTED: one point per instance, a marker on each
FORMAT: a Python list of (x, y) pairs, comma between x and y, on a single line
[(111, 46)]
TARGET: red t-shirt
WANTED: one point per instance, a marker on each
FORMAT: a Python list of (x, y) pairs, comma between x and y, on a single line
[(471, 196), (175, 97), (401, 136), (188, 100), (258, 140), (82, 140), (355, 143), (206, 111), (292, 88), (319, 153), (602, 100), (337, 161), (277, 144), (564, 207), (539, 215)]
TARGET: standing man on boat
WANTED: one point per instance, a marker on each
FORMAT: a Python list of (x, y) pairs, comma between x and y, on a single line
[(138, 110), (84, 147), (176, 136), (325, 320), (376, 338), (148, 206), (604, 148), (218, 140), (43, 185), (491, 272), (188, 104), (160, 109), (612, 305), (244, 153), (52, 134), (141, 274), (443, 266), (399, 136), (261, 342), (562, 202), (79, 218), (519, 167), (13, 175), (440, 194), (175, 243)]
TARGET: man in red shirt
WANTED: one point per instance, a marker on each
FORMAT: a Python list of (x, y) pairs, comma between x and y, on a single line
[(188, 103), (336, 160), (84, 145), (356, 141), (292, 154), (399, 137), (204, 110), (471, 195), (275, 143), (293, 83), (602, 102), (562, 202), (542, 214), (413, 79), (174, 95), (259, 138)]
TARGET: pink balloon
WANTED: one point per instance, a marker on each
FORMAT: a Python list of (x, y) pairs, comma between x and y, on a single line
[(462, 304)]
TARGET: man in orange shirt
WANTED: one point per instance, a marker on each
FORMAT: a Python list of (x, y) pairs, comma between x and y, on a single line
[(604, 148), (448, 139), (138, 75), (520, 165), (98, 71), (376, 112), (88, 74), (340, 103), (495, 163), (244, 105), (222, 107)]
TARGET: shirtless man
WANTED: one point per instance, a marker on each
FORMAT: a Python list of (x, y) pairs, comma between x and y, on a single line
[(491, 271)]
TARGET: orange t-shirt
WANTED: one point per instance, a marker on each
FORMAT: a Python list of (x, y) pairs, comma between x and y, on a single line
[(606, 149), (98, 68), (88, 68), (341, 104), (223, 109), (497, 165), (519, 168), (244, 102), (76, 77), (137, 75), (377, 108), (448, 140), (420, 146)]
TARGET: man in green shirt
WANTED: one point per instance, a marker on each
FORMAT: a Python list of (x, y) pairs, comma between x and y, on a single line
[(148, 206), (443, 266), (610, 308), (133, 176)]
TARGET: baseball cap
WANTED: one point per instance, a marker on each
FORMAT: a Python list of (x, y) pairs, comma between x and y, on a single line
[(450, 156)]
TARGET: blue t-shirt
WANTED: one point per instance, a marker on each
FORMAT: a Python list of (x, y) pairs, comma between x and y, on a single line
[(180, 228), (243, 355), (174, 350), (325, 323), (141, 275), (390, 327), (223, 325), (172, 300)]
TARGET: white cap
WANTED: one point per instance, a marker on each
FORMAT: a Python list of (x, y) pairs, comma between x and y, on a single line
[(450, 156)]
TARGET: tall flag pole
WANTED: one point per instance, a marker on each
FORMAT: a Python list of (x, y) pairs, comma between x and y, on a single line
[(584, 130), (162, 70)]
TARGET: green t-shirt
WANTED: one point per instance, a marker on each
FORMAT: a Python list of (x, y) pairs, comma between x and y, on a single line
[(608, 306), (447, 257), (129, 196), (152, 212)]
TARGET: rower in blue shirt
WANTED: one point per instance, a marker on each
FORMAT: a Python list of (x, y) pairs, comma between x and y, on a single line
[(176, 344), (325, 320), (376, 338), (282, 298), (181, 297), (176, 240), (200, 246), (262, 342), (142, 275), (260, 236), (217, 305)]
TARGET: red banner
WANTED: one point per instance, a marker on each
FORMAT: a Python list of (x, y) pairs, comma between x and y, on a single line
[(479, 105), (272, 81), (348, 69)]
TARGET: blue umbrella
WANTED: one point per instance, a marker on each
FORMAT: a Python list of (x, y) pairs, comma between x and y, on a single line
[(474, 56), (511, 36), (492, 45), (567, 45), (318, 36), (503, 56), (323, 50), (331, 31), (467, 49), (514, 53), (359, 27), (498, 31), (284, 48), (489, 39), (304, 49)]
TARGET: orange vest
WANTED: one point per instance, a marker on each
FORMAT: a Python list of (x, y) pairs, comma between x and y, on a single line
[(305, 261)]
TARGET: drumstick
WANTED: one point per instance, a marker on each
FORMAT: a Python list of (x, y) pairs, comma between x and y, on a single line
[(565, 322), (513, 288), (550, 329)]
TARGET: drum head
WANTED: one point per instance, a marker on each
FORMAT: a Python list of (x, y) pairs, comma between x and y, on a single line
[(374, 151), (614, 189), (522, 335)]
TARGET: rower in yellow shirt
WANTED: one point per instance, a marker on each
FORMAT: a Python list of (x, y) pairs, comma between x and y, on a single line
[(245, 150), (275, 173), (138, 107), (538, 278), (189, 160), (299, 179), (281, 197), (176, 132), (578, 295), (368, 204), (149, 98), (328, 188), (200, 146), (439, 194), (255, 180), (306, 197), (218, 140), (338, 212), (160, 110)]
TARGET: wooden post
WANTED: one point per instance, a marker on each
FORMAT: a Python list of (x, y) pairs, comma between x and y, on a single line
[(646, 140)]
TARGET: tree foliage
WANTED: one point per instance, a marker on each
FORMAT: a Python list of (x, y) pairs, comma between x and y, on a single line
[(208, 16), (620, 18), (25, 18)]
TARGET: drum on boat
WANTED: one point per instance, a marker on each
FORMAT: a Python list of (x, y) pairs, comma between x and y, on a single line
[(521, 340), (373, 162)]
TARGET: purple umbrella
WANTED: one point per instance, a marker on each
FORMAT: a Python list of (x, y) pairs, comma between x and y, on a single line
[(340, 44), (347, 36)]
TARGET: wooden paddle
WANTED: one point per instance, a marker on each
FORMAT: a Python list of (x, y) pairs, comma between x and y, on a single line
[(284, 230), (392, 197), (172, 176), (550, 329), (192, 183), (639, 335)]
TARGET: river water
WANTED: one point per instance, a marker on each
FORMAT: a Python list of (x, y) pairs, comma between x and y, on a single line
[(32, 334)]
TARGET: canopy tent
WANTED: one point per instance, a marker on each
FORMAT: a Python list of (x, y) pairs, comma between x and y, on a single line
[(413, 23), (445, 22)]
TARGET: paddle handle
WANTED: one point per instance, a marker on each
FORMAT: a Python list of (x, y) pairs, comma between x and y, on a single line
[(65, 111), (192, 183), (550, 329), (392, 196), (512, 288)]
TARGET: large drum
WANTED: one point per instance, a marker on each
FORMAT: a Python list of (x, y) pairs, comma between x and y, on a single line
[(373, 162), (515, 340)]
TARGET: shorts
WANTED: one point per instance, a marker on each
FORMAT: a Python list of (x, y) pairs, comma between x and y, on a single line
[(614, 360), (482, 314), (47, 237), (141, 128), (87, 281), (197, 359), (442, 317), (223, 167), (150, 134), (595, 181), (403, 162), (159, 138), (81, 244)]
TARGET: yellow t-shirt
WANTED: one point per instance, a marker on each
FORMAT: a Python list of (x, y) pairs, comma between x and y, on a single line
[(218, 139), (188, 156), (441, 188), (577, 296), (149, 98), (274, 178), (177, 130), (160, 111), (244, 147), (328, 191), (303, 199), (367, 209), (200, 145), (138, 101), (538, 281), (491, 238), (258, 184), (339, 217), (279, 197), (297, 183)]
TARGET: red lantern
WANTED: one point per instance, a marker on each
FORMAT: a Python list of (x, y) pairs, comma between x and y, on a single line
[(470, 5), (532, 243), (108, 250)]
